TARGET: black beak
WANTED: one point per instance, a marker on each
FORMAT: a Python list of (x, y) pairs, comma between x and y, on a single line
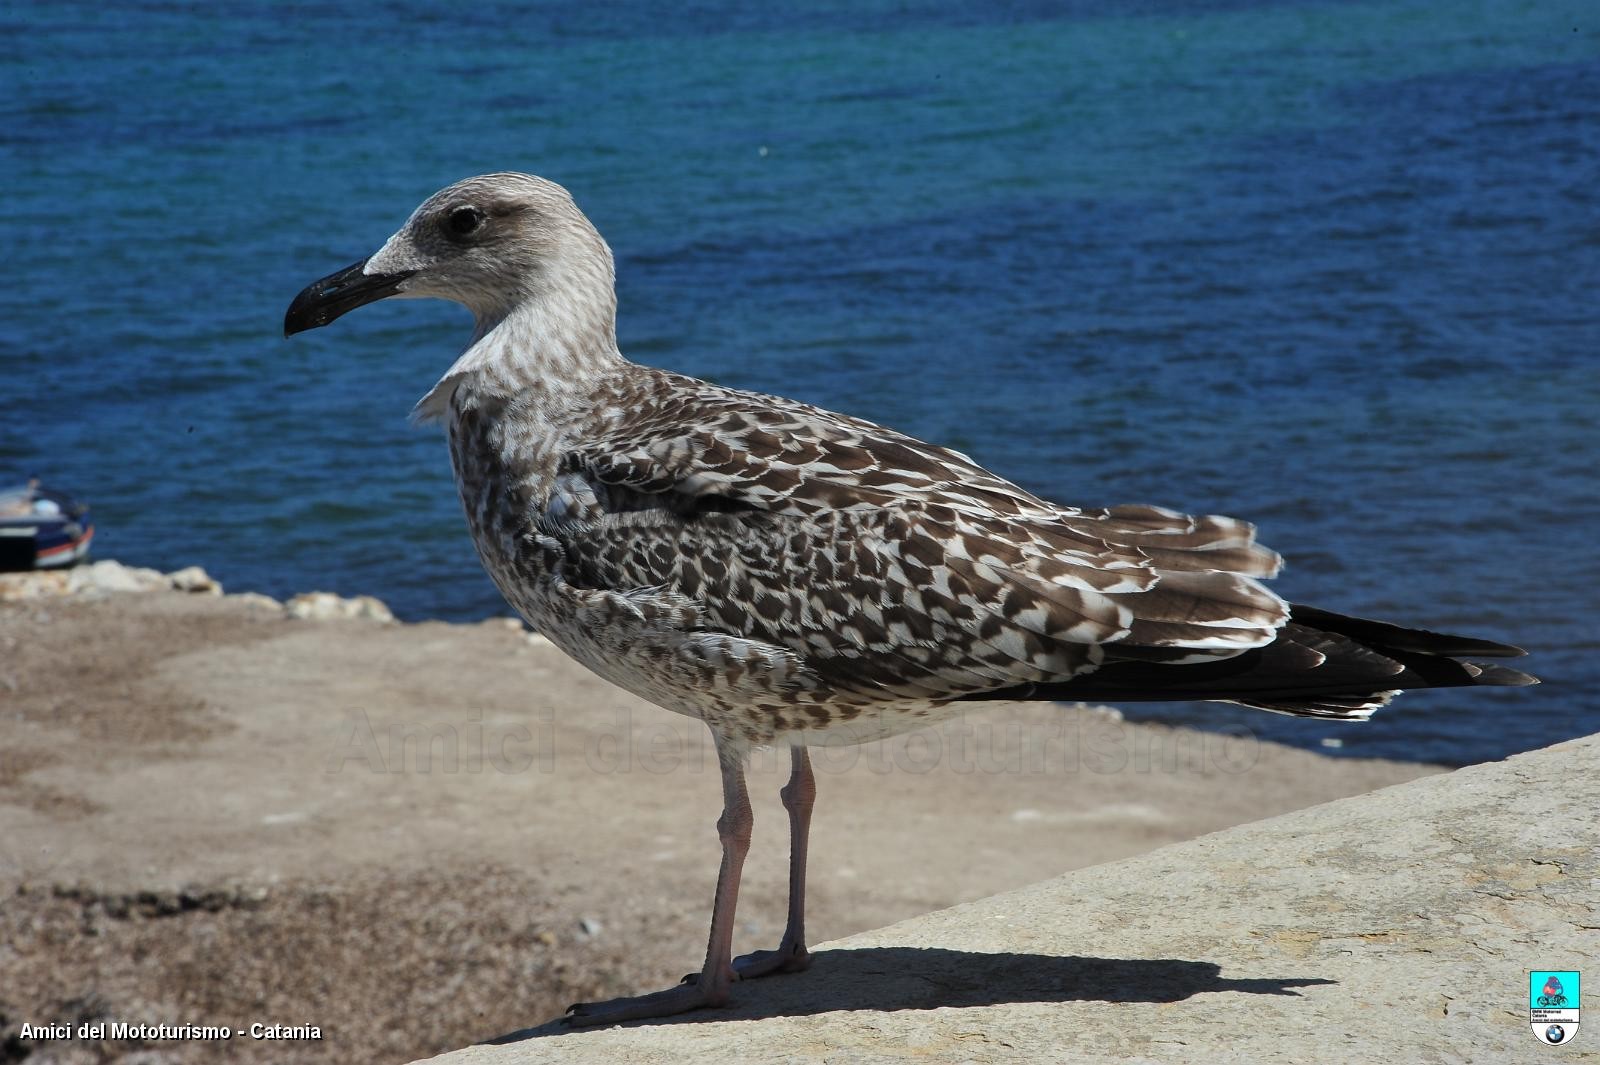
[(322, 301)]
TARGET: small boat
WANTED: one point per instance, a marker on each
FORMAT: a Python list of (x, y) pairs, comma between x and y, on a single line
[(42, 528)]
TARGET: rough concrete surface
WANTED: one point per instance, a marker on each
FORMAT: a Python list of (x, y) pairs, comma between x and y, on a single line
[(1391, 927)]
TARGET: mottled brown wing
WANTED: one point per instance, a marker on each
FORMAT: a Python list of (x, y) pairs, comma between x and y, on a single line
[(893, 564), (689, 437), (883, 602)]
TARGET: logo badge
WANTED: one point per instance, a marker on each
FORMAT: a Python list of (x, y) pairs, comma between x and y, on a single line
[(1553, 1004)]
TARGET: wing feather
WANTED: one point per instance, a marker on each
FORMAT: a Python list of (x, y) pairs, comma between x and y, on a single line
[(887, 564)]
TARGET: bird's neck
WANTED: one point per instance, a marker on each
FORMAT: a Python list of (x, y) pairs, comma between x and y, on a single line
[(515, 404), (545, 357)]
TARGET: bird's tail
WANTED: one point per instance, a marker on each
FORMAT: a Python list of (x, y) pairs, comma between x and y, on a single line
[(1322, 664)]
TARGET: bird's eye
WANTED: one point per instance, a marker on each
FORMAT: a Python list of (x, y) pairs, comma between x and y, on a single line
[(464, 221)]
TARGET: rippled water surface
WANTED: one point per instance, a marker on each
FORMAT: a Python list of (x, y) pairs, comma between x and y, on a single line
[(1331, 267)]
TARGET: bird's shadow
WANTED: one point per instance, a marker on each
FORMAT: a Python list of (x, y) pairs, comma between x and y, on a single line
[(925, 978)]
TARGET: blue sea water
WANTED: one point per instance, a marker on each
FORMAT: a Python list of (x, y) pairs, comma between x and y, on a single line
[(1332, 267)]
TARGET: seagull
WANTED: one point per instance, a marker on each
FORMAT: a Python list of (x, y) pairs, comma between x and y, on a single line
[(796, 577)]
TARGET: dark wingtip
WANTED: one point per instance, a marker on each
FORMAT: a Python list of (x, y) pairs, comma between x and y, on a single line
[(1471, 645), (1382, 634), (1502, 676)]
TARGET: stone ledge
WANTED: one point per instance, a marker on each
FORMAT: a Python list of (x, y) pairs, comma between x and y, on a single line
[(1396, 925)]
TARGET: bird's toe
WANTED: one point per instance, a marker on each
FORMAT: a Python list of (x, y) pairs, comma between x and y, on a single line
[(680, 998), (786, 959)]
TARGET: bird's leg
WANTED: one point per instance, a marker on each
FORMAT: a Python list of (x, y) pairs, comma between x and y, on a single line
[(710, 987), (799, 796)]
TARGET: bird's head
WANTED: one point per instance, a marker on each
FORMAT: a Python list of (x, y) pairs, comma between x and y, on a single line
[(494, 243)]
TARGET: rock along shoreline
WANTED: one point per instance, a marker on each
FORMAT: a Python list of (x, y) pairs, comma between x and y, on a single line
[(108, 577)]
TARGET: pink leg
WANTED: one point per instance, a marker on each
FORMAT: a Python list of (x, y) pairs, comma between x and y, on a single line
[(799, 796), (712, 984)]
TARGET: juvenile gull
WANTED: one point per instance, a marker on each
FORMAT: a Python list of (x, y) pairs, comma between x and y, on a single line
[(793, 576)]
